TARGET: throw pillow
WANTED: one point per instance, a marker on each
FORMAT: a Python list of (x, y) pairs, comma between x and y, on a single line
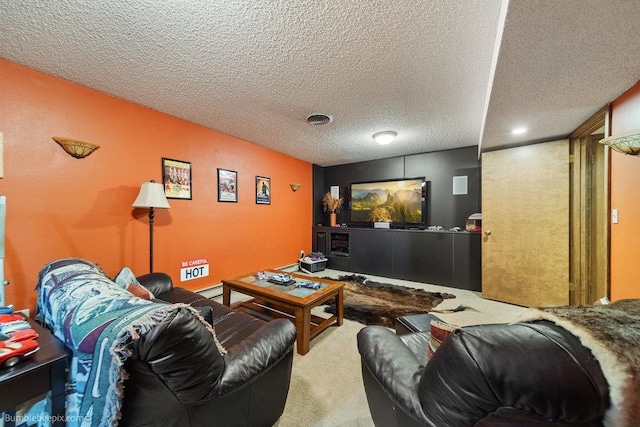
[(124, 277), (127, 280), (140, 291), (439, 332)]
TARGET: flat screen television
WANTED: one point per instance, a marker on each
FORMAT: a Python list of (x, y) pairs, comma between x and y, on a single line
[(401, 202)]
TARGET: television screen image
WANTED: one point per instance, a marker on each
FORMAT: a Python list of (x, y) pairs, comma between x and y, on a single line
[(399, 201)]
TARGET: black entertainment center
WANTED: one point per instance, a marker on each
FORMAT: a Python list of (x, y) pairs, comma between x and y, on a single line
[(444, 258), (408, 249)]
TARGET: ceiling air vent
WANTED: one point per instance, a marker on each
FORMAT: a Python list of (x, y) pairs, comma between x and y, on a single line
[(318, 119)]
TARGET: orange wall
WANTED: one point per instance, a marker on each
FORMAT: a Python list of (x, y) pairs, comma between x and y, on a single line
[(625, 196), (58, 206)]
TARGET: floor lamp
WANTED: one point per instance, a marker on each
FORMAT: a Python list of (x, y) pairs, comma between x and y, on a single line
[(151, 196)]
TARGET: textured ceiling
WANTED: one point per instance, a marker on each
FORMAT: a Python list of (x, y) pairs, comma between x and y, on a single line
[(437, 72), (558, 64)]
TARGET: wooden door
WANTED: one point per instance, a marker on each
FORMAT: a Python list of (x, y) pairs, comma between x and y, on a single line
[(525, 221)]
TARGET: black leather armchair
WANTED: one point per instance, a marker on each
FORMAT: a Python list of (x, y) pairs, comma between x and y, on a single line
[(525, 374)]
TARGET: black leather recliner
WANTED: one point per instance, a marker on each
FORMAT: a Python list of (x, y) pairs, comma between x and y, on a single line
[(525, 374)]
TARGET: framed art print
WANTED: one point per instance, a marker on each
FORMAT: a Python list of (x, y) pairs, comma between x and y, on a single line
[(176, 177), (227, 186), (263, 190)]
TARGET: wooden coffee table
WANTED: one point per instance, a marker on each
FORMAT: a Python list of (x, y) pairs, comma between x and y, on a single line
[(288, 302)]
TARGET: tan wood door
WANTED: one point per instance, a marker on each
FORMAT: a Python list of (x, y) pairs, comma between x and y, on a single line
[(525, 221)]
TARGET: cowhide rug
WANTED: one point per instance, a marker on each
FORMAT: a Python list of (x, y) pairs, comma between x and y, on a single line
[(374, 303)]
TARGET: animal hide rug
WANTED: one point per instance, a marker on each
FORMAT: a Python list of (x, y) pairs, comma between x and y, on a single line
[(612, 333), (374, 303)]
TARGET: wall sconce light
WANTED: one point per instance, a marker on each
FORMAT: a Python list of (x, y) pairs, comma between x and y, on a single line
[(625, 143), (385, 137), (295, 187), (77, 149)]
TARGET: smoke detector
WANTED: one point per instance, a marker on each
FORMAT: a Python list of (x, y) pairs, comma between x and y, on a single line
[(318, 119)]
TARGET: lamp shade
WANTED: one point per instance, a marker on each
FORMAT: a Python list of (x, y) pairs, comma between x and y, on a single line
[(76, 148), (625, 143), (151, 196)]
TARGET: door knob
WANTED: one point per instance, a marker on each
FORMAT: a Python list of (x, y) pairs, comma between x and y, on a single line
[(487, 233)]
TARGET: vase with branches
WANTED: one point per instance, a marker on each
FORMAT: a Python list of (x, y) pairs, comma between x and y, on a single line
[(332, 205)]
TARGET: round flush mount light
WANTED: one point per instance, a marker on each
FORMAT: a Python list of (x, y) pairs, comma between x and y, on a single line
[(385, 137), (319, 119)]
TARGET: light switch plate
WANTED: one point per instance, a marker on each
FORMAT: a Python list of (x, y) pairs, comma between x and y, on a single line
[(614, 216)]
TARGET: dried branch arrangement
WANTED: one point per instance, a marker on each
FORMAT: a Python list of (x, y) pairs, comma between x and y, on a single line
[(331, 204)]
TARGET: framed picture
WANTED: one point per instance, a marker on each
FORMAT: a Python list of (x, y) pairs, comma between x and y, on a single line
[(227, 186), (263, 190), (176, 177)]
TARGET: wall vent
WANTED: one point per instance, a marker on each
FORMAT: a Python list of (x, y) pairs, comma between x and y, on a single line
[(318, 119)]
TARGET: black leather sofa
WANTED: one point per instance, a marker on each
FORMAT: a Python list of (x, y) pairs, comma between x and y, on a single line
[(255, 373), (525, 374), (173, 372)]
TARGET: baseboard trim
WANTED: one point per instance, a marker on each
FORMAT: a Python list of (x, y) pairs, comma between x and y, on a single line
[(211, 291), (215, 290)]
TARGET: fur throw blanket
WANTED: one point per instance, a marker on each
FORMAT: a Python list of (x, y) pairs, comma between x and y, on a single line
[(612, 333)]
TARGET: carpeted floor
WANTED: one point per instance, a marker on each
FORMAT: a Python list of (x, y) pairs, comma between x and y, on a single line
[(326, 384)]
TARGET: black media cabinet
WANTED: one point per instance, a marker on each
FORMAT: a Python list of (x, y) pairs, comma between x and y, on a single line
[(444, 258)]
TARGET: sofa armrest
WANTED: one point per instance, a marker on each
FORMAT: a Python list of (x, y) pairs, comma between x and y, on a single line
[(157, 283), (394, 365), (181, 353), (255, 354)]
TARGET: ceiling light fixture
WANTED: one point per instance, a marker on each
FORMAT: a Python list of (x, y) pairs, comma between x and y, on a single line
[(625, 143), (385, 137), (518, 131)]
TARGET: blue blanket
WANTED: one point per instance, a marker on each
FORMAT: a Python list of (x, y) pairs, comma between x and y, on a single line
[(97, 320)]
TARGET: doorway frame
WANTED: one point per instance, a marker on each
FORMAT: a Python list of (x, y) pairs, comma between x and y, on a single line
[(589, 234)]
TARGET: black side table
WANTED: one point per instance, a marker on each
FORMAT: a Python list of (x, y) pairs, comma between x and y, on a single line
[(31, 377), (414, 323)]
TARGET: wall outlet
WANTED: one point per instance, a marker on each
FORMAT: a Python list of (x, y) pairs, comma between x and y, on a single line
[(301, 253)]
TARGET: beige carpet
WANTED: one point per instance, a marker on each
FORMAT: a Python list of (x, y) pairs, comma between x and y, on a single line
[(326, 384)]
